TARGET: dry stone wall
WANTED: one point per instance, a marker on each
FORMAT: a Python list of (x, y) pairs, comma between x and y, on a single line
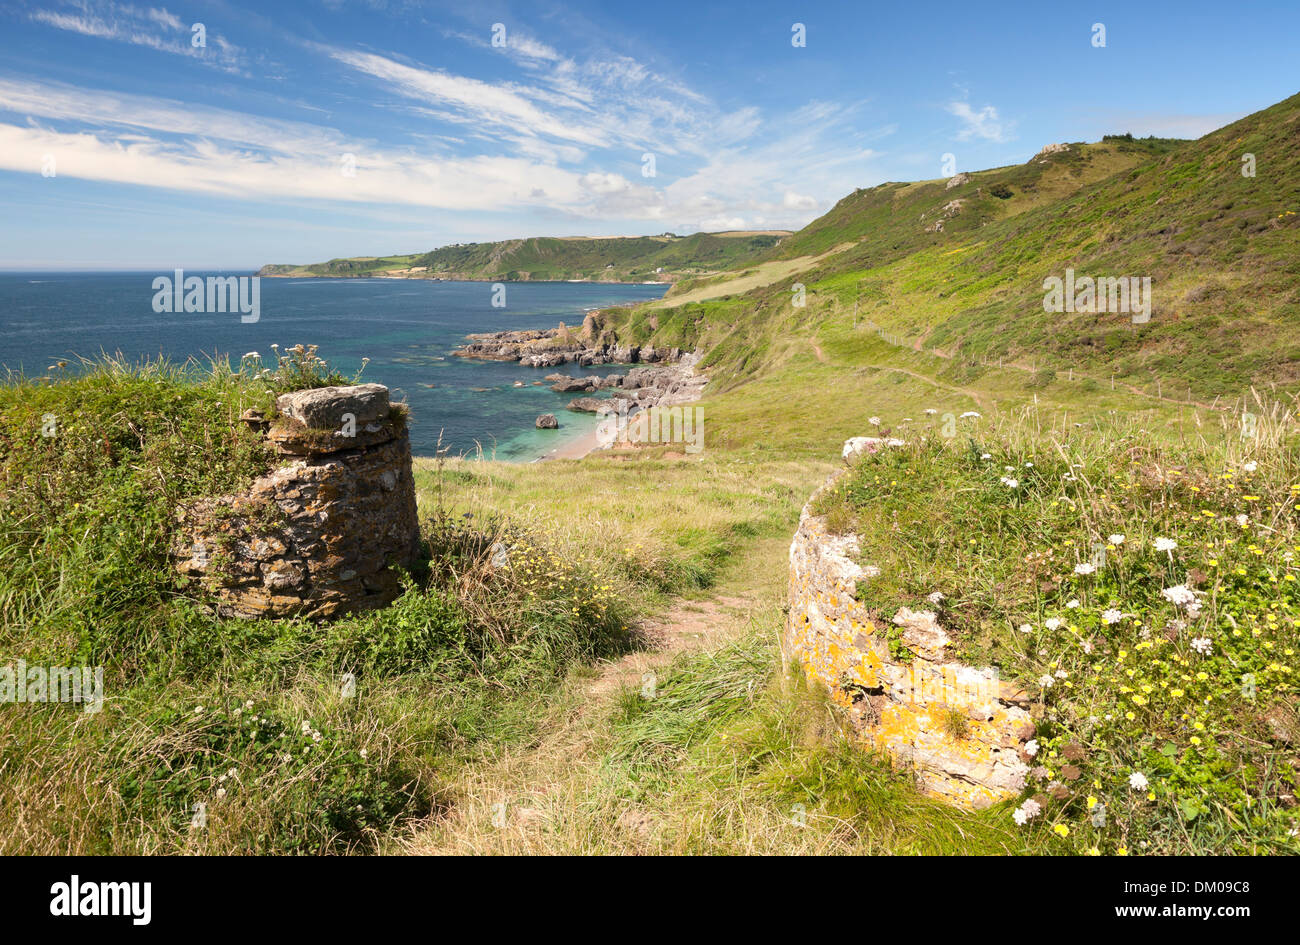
[(322, 534), (960, 728)]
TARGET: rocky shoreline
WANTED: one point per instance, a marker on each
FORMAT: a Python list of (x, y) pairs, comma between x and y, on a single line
[(663, 377)]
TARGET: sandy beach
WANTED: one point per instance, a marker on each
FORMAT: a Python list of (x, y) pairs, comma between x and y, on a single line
[(575, 448)]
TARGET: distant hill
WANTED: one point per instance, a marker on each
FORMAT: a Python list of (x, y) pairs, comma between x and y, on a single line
[(663, 258)]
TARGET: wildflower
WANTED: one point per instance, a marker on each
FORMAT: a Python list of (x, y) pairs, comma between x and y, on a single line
[(1165, 544), (1061, 674), (1062, 830), (1116, 539), (1084, 567), (362, 753), (1027, 812), (1111, 616), (986, 456), (1087, 647), (874, 421), (969, 414), (1031, 747), (930, 411), (1250, 467), (221, 792), (1053, 623), (936, 598), (1010, 483), (1180, 595), (1045, 681), (1072, 604), (1026, 628), (1202, 645), (1243, 521)]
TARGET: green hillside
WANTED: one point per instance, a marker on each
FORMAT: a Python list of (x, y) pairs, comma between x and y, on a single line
[(1221, 250), (662, 258)]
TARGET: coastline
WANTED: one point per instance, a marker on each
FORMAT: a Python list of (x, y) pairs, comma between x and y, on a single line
[(578, 447)]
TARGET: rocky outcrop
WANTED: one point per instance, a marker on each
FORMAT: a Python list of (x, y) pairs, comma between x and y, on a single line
[(1049, 150), (589, 405), (547, 421), (322, 534), (958, 727), (957, 180), (555, 346)]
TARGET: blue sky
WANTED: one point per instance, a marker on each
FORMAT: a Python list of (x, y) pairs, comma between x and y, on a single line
[(299, 132)]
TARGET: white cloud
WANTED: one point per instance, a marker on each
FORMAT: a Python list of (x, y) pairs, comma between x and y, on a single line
[(139, 26), (984, 123)]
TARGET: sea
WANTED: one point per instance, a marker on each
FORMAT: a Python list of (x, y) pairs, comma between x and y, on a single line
[(408, 329)]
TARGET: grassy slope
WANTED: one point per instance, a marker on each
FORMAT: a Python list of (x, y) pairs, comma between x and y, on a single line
[(620, 259), (246, 717), (1222, 251)]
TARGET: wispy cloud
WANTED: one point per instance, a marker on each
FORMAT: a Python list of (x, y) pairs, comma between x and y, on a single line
[(153, 27), (561, 136), (984, 123)]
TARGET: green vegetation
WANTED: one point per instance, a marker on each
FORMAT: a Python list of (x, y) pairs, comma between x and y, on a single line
[(250, 719), (1147, 592), (603, 259)]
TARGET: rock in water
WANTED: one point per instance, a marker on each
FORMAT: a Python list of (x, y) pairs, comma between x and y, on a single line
[(547, 421)]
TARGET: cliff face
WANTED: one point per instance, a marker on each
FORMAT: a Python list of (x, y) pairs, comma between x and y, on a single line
[(321, 535), (958, 727)]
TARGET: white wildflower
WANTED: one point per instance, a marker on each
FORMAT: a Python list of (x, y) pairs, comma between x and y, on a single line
[(1026, 812), (1111, 616), (1165, 544), (1084, 567), (969, 414), (1202, 645), (1053, 623), (1116, 539), (1180, 595), (936, 598), (1138, 781), (1072, 604), (1250, 467), (874, 421), (1026, 628), (1031, 747), (1010, 483), (1045, 681)]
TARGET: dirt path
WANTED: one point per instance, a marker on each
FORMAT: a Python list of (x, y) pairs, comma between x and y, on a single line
[(546, 797)]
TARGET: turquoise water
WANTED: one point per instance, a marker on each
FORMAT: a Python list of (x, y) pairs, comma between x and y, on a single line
[(408, 329)]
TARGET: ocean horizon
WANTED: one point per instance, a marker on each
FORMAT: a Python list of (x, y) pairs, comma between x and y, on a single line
[(407, 328)]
